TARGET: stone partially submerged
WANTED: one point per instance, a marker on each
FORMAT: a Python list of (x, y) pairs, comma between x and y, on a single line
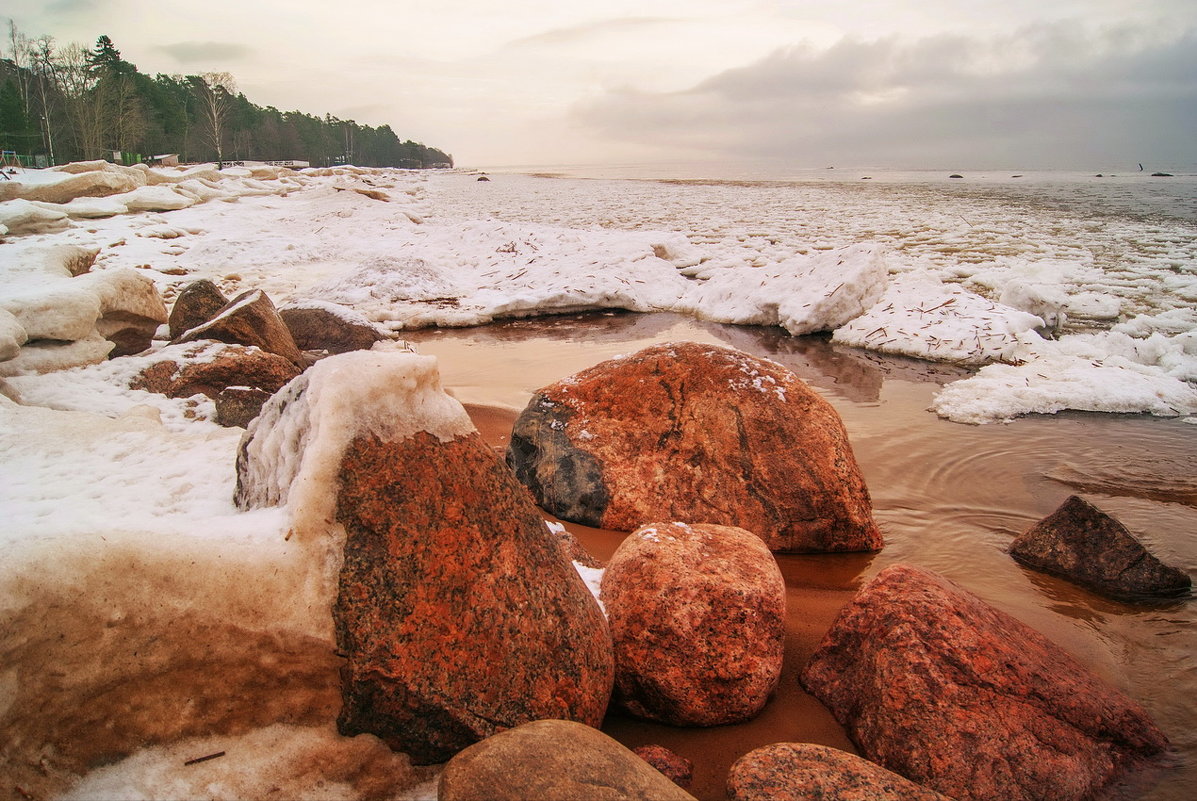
[(702, 433), (1083, 544), (456, 611), (697, 616), (934, 684)]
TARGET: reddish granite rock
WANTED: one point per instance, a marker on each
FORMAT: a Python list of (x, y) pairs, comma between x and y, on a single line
[(196, 304), (238, 406), (697, 617), (695, 432), (808, 772), (934, 684), (674, 767), (459, 614), (206, 368), (248, 319), (1083, 544), (553, 760), (327, 327)]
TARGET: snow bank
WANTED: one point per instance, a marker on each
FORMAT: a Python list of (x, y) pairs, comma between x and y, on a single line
[(804, 294), (921, 317)]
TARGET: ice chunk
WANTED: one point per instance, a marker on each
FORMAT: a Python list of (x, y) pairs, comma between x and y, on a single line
[(804, 294), (919, 316)]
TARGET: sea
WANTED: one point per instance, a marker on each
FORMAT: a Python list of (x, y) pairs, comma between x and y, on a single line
[(949, 497)]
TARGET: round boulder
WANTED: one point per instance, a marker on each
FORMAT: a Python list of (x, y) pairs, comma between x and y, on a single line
[(687, 431), (808, 772), (553, 760), (697, 616)]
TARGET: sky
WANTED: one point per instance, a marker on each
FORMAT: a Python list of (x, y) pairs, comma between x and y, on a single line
[(1033, 84)]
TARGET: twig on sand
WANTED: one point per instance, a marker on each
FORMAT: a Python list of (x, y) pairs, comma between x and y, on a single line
[(198, 760)]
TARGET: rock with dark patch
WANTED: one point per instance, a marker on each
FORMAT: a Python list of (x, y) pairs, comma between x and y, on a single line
[(249, 319), (328, 327), (1084, 544), (809, 772), (672, 766), (934, 684), (206, 368), (553, 760), (697, 616), (695, 432), (196, 304), (237, 406)]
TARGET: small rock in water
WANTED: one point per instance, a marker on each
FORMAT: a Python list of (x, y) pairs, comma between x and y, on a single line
[(1083, 544), (674, 767), (809, 772), (553, 760), (955, 175)]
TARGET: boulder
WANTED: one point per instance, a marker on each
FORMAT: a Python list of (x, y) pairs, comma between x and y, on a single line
[(236, 407), (248, 319), (697, 616), (196, 304), (672, 766), (1084, 544), (933, 683), (206, 368), (695, 432), (330, 327), (809, 772), (553, 760), (456, 612)]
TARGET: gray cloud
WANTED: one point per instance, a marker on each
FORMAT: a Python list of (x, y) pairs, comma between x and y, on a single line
[(1051, 96), (577, 34), (222, 53)]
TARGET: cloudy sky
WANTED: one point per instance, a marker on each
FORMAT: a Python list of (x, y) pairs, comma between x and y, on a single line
[(869, 83)]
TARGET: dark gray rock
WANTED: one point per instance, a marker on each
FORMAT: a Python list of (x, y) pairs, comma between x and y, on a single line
[(328, 328), (196, 304), (1083, 544), (237, 406)]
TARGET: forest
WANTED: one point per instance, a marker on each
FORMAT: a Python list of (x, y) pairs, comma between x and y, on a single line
[(62, 103)]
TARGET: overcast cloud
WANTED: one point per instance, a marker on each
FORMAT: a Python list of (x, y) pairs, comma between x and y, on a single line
[(1049, 96), (932, 83)]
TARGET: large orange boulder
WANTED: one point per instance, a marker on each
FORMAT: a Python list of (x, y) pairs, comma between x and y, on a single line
[(938, 686), (701, 433), (697, 616), (455, 609), (209, 368)]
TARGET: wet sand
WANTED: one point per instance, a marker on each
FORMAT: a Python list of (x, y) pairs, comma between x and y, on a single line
[(948, 497)]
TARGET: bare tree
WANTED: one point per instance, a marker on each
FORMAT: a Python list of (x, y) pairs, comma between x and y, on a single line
[(77, 82), (214, 91), (21, 53), (44, 69)]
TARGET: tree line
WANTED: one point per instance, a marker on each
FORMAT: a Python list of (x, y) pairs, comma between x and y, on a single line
[(61, 103)]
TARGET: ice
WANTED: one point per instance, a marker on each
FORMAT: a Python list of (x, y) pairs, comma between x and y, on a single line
[(804, 294), (919, 316), (24, 216)]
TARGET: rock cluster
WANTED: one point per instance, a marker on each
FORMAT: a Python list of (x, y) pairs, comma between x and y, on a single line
[(934, 684), (1084, 544), (697, 616), (699, 433)]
